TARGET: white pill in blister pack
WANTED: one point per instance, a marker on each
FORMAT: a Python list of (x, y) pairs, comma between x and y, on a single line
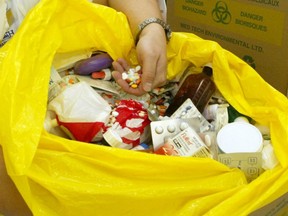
[(162, 130), (189, 110)]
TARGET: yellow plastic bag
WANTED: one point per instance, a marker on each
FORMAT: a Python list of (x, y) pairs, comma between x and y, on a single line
[(63, 177)]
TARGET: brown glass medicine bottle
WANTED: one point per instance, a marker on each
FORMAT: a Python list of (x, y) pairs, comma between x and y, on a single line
[(199, 87)]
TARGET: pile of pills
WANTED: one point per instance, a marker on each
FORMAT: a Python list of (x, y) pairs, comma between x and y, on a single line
[(133, 76)]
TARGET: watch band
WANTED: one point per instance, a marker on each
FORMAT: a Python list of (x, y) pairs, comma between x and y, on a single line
[(150, 20)]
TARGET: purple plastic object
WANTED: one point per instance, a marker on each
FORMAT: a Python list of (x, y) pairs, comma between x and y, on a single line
[(93, 64)]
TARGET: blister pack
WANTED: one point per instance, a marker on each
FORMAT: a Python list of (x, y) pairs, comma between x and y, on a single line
[(189, 110), (161, 131)]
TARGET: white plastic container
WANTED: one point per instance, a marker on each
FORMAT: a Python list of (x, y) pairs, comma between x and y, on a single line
[(239, 137)]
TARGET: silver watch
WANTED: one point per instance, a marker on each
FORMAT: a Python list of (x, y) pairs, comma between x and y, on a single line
[(148, 21)]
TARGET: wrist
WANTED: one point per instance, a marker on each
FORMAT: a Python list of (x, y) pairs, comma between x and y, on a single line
[(154, 30), (155, 21)]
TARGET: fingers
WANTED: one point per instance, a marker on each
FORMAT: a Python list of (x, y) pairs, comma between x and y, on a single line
[(124, 85), (148, 76), (121, 66), (154, 72), (152, 56)]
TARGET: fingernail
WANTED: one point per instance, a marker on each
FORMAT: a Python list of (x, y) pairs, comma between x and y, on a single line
[(114, 74), (147, 87)]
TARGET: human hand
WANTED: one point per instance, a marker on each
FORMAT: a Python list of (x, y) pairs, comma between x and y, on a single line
[(151, 54)]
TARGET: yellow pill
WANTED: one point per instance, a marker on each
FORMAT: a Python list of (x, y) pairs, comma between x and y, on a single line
[(134, 86)]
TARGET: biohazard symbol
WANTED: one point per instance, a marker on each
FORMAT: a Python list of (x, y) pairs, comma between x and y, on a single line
[(221, 13)]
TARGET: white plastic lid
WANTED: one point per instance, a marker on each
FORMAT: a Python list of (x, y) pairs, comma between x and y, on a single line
[(239, 137)]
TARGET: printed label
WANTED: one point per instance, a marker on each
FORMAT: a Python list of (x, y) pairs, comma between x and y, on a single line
[(249, 163), (186, 143), (273, 3), (236, 17)]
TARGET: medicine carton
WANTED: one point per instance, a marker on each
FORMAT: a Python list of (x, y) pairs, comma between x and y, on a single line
[(185, 143), (254, 30)]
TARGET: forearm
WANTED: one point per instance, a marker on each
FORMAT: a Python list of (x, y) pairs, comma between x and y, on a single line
[(135, 10), (150, 42)]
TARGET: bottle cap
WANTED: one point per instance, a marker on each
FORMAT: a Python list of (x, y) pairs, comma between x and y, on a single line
[(241, 119), (207, 69)]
